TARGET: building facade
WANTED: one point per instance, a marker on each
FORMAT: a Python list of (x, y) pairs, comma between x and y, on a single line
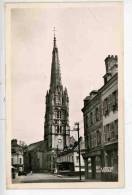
[(100, 113), (17, 157), (110, 115), (93, 134), (34, 157), (68, 159)]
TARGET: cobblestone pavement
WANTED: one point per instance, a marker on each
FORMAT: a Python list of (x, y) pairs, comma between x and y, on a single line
[(45, 178)]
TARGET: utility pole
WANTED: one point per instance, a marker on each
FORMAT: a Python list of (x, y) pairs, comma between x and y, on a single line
[(77, 124)]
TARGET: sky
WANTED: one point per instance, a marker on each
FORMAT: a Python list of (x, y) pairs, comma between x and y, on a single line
[(86, 34)]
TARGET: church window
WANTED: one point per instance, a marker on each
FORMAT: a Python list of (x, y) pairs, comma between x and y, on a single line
[(57, 129), (60, 129), (58, 114)]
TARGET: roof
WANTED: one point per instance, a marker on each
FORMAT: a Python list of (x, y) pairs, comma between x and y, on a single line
[(71, 140), (87, 98), (73, 148), (37, 145)]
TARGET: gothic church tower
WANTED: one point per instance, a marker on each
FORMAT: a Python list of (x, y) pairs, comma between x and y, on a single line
[(56, 127)]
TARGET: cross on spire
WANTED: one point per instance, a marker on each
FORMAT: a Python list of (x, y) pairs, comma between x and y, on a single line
[(54, 30)]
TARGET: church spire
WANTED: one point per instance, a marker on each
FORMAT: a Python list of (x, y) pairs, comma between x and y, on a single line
[(55, 69), (57, 109), (54, 38)]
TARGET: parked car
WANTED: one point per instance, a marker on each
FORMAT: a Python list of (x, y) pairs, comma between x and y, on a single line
[(22, 173)]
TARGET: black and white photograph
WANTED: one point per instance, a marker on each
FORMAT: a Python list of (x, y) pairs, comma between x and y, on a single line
[(64, 93)]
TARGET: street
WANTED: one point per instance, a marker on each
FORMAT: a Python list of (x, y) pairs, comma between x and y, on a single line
[(46, 178)]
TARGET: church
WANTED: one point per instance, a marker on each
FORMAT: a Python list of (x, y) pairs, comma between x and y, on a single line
[(56, 126), (42, 156)]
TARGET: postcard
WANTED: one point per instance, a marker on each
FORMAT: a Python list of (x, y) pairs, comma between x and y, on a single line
[(64, 95)]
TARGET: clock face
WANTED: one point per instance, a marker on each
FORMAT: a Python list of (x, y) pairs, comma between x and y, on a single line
[(59, 139)]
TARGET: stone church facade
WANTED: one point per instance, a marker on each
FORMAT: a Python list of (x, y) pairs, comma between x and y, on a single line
[(56, 126)]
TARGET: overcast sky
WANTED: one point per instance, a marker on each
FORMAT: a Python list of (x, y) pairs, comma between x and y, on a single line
[(85, 33)]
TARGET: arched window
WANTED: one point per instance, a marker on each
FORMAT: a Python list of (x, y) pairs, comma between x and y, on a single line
[(57, 129), (60, 129), (59, 114)]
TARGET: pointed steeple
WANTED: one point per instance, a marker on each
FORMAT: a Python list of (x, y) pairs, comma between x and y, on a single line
[(57, 109), (55, 69), (54, 42)]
